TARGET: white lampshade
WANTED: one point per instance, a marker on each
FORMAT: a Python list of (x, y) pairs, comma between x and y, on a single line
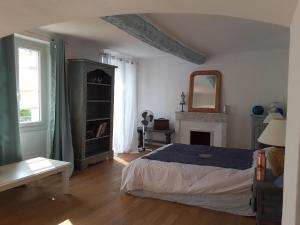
[(273, 116), (274, 134)]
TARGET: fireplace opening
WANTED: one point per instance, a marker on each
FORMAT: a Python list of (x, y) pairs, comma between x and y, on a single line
[(199, 138)]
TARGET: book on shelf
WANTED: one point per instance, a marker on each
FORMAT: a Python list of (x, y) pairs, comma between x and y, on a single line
[(89, 134), (101, 129)]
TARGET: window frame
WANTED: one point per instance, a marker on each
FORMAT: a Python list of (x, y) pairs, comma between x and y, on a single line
[(43, 48)]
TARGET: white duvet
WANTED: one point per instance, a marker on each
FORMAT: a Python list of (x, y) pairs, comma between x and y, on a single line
[(177, 178)]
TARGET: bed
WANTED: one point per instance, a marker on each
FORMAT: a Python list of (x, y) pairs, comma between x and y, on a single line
[(204, 176)]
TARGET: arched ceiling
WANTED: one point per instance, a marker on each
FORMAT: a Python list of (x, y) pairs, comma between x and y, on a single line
[(211, 35), (19, 15)]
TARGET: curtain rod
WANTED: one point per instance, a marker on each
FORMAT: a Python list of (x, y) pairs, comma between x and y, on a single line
[(40, 36), (118, 57)]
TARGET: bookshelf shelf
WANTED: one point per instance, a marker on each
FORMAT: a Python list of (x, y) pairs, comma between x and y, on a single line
[(98, 84), (97, 138), (98, 119), (98, 101), (94, 153), (91, 87)]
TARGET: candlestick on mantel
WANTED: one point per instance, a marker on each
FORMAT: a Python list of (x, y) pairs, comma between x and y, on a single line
[(182, 101)]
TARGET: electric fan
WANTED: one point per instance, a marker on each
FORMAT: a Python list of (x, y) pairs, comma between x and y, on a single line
[(147, 121)]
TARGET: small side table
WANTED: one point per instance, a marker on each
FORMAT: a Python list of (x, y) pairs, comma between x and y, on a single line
[(267, 200), (167, 134)]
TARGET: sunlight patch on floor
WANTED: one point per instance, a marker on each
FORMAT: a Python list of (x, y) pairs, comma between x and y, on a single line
[(122, 161), (66, 222)]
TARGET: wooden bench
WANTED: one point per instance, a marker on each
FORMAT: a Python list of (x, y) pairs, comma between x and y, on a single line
[(31, 170)]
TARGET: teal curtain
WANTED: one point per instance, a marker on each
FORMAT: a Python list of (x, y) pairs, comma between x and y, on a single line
[(60, 127), (9, 125)]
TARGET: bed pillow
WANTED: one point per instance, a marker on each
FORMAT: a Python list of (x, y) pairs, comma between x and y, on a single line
[(278, 182), (275, 158)]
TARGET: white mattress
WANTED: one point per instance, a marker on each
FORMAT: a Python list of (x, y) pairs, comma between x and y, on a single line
[(211, 187)]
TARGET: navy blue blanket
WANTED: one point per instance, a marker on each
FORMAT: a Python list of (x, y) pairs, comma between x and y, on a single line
[(240, 159)]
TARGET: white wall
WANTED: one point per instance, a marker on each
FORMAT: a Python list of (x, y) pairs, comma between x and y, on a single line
[(291, 201), (33, 143), (78, 48), (248, 79)]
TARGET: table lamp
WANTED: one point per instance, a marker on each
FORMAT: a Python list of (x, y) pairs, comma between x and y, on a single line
[(274, 135), (273, 116)]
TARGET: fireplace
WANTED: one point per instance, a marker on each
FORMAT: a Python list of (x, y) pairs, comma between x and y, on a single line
[(200, 138), (212, 128)]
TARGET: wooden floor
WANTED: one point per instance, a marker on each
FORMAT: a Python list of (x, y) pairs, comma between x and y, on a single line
[(95, 199)]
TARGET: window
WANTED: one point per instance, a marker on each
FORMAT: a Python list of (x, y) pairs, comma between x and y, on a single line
[(31, 67), (29, 85)]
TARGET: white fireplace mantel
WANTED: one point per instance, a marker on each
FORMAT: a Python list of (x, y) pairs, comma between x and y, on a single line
[(215, 123)]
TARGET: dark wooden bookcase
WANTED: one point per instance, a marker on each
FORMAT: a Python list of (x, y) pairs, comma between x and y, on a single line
[(91, 88)]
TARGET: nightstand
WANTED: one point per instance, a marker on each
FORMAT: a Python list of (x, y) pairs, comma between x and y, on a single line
[(267, 200)]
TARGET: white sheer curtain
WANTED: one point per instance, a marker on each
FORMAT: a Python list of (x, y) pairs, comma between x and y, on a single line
[(125, 104)]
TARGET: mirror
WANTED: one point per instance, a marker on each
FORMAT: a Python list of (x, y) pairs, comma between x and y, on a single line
[(205, 90)]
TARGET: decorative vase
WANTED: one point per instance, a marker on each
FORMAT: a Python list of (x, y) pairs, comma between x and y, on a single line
[(275, 107), (258, 110), (280, 110)]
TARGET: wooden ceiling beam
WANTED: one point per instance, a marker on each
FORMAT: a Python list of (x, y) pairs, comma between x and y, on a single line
[(139, 28)]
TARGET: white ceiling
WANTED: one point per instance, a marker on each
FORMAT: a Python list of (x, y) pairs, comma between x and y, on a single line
[(212, 35), (108, 36), (19, 15), (221, 34)]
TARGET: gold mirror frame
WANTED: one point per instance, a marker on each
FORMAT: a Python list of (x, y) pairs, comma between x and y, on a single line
[(218, 91)]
